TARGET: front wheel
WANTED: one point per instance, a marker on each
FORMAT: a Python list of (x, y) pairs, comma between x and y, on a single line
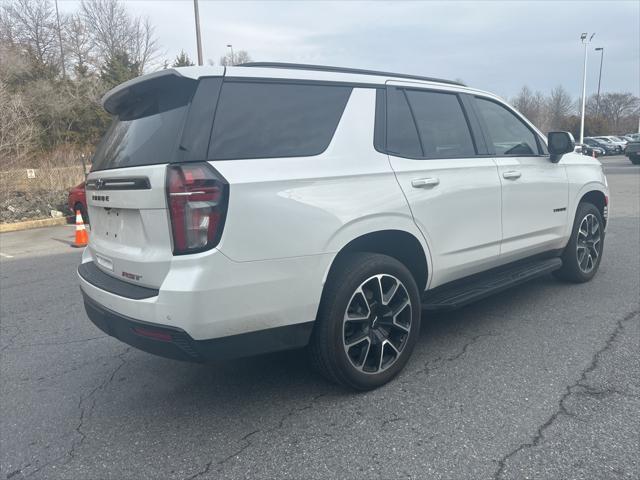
[(582, 255), (368, 321), (635, 158)]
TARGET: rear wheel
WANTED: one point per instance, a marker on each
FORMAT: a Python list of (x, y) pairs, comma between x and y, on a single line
[(635, 158), (368, 321), (582, 255)]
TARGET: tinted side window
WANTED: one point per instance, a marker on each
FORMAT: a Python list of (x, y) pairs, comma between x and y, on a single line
[(402, 136), (441, 124), (260, 120), (507, 133)]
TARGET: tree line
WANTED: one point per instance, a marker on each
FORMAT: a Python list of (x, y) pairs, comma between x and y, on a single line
[(610, 113), (54, 69)]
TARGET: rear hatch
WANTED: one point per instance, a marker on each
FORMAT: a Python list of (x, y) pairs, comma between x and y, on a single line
[(131, 227)]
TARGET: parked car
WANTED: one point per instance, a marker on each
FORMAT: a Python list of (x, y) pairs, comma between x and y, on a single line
[(77, 201), (608, 147), (632, 152), (589, 150), (621, 144), (255, 208), (632, 137)]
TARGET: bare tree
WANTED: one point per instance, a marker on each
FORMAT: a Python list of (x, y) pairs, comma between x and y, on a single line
[(31, 24), (18, 130), (115, 32), (239, 57), (616, 106), (559, 106), (533, 106), (78, 45)]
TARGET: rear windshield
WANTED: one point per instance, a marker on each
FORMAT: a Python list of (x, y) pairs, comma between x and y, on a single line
[(262, 120), (145, 131)]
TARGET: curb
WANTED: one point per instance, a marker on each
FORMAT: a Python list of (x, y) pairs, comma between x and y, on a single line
[(29, 224)]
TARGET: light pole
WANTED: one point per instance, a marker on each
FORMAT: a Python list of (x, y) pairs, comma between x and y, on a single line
[(198, 39), (601, 50), (585, 42), (231, 47), (64, 73)]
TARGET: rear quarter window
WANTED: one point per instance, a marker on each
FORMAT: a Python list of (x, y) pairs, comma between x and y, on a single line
[(266, 120)]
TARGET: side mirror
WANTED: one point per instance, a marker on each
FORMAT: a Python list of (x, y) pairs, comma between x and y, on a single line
[(559, 144)]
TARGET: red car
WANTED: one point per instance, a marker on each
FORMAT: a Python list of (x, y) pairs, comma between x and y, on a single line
[(77, 201)]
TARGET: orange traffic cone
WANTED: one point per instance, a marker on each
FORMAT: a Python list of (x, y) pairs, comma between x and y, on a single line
[(82, 237)]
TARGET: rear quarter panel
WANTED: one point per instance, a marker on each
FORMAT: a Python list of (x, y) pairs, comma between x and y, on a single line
[(288, 207)]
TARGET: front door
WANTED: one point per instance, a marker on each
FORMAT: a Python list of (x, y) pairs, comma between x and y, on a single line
[(534, 190)]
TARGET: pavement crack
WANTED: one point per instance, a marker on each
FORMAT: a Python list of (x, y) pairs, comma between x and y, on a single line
[(247, 442), (86, 411), (86, 405), (466, 346), (581, 384)]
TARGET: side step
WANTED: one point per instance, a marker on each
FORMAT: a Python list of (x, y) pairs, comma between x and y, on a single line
[(459, 293)]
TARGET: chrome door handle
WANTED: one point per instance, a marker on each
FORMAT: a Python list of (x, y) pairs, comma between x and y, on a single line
[(425, 182), (512, 175)]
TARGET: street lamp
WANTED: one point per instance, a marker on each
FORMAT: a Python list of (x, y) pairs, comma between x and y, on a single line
[(601, 50), (231, 47), (585, 42), (196, 13)]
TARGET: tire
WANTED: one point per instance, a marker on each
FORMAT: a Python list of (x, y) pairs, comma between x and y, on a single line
[(356, 289), (635, 158), (582, 255)]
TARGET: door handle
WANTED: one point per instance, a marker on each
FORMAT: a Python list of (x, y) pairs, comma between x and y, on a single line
[(425, 182), (512, 175)]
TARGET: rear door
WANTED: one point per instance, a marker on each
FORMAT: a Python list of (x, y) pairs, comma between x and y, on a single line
[(452, 189), (534, 190), (158, 119)]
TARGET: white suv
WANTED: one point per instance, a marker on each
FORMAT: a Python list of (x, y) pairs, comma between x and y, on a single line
[(265, 207)]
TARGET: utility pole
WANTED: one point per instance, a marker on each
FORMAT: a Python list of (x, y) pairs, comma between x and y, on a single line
[(585, 42), (601, 50), (64, 73), (198, 39)]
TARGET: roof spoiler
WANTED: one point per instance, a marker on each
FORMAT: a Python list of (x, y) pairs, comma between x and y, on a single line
[(127, 92)]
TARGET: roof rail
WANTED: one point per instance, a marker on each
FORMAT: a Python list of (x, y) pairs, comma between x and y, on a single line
[(325, 68)]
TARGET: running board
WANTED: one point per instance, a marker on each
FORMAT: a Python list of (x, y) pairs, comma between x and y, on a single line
[(460, 293)]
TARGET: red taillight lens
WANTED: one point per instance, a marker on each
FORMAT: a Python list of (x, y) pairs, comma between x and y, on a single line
[(197, 196)]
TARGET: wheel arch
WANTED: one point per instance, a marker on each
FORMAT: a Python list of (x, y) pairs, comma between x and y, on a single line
[(596, 197), (402, 245)]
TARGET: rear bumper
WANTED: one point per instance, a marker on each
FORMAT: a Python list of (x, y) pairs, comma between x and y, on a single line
[(172, 342)]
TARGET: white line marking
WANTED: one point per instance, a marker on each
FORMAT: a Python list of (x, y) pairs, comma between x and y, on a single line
[(5, 255)]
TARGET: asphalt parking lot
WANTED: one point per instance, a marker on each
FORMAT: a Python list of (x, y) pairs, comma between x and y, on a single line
[(541, 381)]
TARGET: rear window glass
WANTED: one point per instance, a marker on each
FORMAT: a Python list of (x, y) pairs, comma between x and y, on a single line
[(145, 131), (262, 120)]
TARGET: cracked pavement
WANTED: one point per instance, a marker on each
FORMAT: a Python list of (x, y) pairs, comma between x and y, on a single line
[(541, 381)]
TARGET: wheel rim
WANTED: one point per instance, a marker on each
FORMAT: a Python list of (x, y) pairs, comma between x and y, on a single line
[(589, 243), (377, 323)]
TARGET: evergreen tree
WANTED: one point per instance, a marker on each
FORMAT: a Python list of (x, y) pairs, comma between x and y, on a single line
[(182, 60), (119, 68)]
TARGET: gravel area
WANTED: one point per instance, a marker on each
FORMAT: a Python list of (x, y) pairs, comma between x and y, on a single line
[(23, 206)]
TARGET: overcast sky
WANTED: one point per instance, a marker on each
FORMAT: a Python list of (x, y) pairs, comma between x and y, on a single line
[(493, 45)]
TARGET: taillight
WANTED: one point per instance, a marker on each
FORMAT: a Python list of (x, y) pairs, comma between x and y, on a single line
[(197, 196)]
